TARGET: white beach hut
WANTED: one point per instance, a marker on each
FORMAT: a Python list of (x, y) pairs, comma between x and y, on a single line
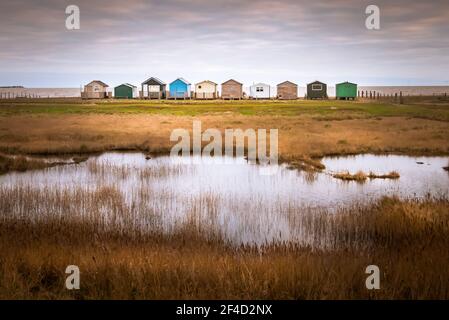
[(260, 91)]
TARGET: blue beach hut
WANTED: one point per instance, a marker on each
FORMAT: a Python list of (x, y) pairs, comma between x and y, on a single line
[(180, 89)]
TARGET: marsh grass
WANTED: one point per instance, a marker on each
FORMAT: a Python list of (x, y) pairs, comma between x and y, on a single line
[(303, 163), (361, 176), (406, 239), (319, 110), (21, 164), (390, 175)]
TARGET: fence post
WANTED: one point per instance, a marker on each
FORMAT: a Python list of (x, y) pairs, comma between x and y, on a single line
[(401, 100)]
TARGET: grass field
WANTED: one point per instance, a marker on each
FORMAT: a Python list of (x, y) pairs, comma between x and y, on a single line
[(306, 128), (327, 109), (190, 265), (408, 238)]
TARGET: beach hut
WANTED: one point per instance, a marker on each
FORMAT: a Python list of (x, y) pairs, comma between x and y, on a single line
[(287, 90), (95, 89), (316, 90), (206, 90), (180, 89), (346, 90), (155, 89), (125, 91), (259, 91), (231, 89)]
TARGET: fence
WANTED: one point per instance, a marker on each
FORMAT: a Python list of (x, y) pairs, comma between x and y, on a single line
[(14, 95), (398, 97)]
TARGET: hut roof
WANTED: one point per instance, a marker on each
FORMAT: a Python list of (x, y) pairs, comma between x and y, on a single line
[(127, 85), (101, 83), (260, 84), (316, 82), (153, 80), (232, 81), (287, 83), (183, 80), (207, 81), (346, 82)]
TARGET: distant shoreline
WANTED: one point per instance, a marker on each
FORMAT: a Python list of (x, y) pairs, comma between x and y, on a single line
[(16, 91)]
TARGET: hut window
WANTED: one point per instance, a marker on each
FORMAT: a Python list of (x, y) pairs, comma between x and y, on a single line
[(199, 87), (259, 89), (317, 87)]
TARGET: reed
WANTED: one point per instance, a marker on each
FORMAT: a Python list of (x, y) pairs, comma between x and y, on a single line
[(361, 176), (126, 255), (20, 163)]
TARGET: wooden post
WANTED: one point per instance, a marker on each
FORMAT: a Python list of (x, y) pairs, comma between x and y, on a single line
[(401, 101)]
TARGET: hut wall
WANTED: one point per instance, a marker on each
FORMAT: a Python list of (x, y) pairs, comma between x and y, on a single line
[(205, 90), (260, 91), (231, 90), (287, 92)]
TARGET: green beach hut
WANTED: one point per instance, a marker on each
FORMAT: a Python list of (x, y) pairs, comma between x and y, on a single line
[(124, 91), (346, 90)]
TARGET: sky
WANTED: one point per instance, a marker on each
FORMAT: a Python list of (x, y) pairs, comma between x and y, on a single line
[(250, 41)]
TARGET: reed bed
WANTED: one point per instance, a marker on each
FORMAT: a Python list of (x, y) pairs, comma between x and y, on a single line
[(128, 252), (361, 176), (133, 237), (20, 163)]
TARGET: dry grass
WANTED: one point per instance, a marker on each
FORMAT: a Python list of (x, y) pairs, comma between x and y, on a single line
[(361, 176), (392, 234), (299, 137), (20, 163), (302, 140), (390, 175)]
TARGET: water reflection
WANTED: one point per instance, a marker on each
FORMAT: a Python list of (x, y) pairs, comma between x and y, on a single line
[(228, 195)]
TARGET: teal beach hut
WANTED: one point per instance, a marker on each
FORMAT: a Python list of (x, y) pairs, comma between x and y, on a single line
[(180, 89)]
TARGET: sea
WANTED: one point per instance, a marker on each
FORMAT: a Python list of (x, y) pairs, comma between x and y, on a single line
[(76, 92)]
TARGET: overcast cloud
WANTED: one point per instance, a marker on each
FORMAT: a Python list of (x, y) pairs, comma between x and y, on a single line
[(251, 41)]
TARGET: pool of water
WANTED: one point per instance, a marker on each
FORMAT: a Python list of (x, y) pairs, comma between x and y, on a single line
[(229, 196)]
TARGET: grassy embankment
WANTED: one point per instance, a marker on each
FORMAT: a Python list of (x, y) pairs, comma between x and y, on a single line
[(307, 129)]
